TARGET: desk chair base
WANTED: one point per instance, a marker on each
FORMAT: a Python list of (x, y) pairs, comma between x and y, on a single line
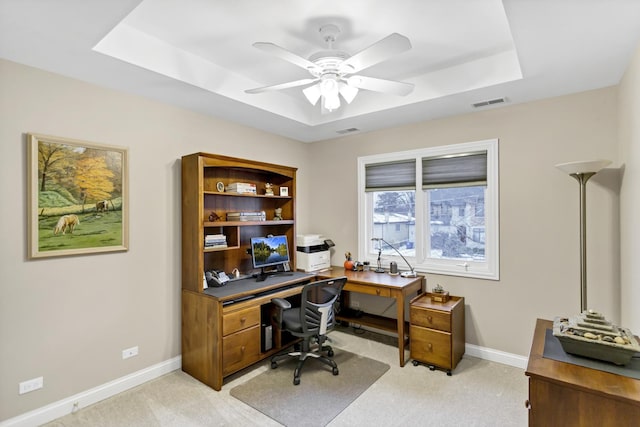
[(302, 355)]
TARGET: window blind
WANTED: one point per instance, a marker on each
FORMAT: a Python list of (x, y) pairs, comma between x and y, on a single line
[(400, 175), (453, 171)]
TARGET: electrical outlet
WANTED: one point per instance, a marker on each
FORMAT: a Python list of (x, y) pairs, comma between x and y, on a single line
[(129, 352), (30, 385), (355, 304)]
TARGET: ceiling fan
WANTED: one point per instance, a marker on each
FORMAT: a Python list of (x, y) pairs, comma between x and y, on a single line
[(333, 71)]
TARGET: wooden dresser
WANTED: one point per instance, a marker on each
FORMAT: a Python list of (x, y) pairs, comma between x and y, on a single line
[(568, 395), (437, 336)]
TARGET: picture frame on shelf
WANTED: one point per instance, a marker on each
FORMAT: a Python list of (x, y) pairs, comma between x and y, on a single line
[(284, 191), (77, 197)]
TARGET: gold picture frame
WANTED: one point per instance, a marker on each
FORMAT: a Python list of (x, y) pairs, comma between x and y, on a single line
[(78, 197)]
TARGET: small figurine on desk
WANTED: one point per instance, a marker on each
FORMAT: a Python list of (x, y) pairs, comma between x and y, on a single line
[(268, 189), (214, 217), (278, 214), (348, 264)]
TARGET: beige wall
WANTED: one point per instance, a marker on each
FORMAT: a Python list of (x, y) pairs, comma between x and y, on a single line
[(629, 108), (539, 268), (68, 319)]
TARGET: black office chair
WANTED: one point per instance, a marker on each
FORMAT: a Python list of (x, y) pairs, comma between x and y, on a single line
[(311, 322)]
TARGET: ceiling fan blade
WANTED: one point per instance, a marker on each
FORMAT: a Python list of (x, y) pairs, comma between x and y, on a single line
[(288, 56), (281, 86), (381, 85), (380, 51)]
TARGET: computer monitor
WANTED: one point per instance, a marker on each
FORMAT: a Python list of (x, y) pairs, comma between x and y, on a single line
[(270, 251)]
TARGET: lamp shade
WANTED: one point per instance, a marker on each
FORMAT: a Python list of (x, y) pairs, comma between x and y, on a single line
[(583, 166)]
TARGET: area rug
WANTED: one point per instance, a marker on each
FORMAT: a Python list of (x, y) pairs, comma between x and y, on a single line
[(319, 397)]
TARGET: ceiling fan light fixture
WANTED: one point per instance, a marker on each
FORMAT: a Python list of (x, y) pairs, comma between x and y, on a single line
[(331, 101), (312, 93), (348, 92), (330, 91)]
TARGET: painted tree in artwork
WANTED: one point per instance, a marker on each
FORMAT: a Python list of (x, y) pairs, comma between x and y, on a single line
[(54, 163), (93, 178)]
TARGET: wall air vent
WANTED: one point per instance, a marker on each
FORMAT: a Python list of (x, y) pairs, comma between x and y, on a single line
[(345, 131), (489, 102)]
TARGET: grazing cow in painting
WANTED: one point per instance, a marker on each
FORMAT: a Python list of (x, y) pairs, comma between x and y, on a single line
[(102, 206), (66, 222)]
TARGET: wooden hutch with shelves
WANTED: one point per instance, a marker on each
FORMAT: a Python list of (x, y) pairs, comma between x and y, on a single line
[(220, 337)]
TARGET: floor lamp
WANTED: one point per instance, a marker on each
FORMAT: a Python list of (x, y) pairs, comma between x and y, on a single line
[(582, 171)]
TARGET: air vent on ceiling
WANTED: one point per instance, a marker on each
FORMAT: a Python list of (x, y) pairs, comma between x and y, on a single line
[(489, 102), (343, 131)]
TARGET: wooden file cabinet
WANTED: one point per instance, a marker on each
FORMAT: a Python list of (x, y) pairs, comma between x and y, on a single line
[(437, 336)]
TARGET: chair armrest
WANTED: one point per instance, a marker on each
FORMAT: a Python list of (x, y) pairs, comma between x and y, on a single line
[(282, 303)]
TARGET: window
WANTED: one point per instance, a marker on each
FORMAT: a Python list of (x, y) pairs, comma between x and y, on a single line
[(437, 206)]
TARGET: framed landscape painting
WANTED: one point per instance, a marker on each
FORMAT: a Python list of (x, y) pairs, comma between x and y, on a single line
[(78, 197)]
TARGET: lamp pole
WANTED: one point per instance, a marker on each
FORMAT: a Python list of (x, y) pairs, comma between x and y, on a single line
[(582, 171), (582, 179)]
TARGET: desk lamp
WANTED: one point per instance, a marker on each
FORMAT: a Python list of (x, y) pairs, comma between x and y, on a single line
[(411, 273), (582, 171)]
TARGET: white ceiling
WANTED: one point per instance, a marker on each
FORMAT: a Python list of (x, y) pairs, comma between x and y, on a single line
[(198, 54)]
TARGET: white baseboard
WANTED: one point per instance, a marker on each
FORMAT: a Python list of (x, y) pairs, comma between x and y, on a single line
[(496, 356), (71, 404)]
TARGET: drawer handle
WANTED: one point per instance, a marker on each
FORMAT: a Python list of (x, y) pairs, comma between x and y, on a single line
[(243, 319), (377, 291), (430, 319), (430, 347), (242, 349)]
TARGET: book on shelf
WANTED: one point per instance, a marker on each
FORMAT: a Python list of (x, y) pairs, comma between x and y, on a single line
[(215, 241), (241, 187), (216, 246), (246, 216)]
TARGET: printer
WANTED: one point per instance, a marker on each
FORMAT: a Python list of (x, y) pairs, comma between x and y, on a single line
[(313, 252)]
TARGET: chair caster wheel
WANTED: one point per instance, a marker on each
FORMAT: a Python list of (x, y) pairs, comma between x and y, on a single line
[(432, 368), (448, 373), (296, 381), (335, 371), (330, 353), (416, 363), (274, 365)]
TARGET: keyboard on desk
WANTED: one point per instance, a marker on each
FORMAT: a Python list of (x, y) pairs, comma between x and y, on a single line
[(264, 293)]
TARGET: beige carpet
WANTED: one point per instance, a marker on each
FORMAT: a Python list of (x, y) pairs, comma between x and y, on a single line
[(319, 397), (479, 394)]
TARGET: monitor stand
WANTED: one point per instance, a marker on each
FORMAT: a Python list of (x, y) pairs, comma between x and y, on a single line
[(262, 276)]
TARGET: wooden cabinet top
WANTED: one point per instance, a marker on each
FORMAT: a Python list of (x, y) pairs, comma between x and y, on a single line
[(425, 301), (216, 160), (575, 376)]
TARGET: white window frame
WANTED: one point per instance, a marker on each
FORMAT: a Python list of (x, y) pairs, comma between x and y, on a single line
[(489, 268)]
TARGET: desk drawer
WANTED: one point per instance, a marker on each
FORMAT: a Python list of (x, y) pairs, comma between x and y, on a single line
[(435, 319), (371, 290), (240, 350), (431, 346), (240, 320)]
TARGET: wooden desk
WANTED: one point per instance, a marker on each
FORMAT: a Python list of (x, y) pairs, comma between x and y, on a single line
[(222, 331), (564, 394), (380, 284)]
